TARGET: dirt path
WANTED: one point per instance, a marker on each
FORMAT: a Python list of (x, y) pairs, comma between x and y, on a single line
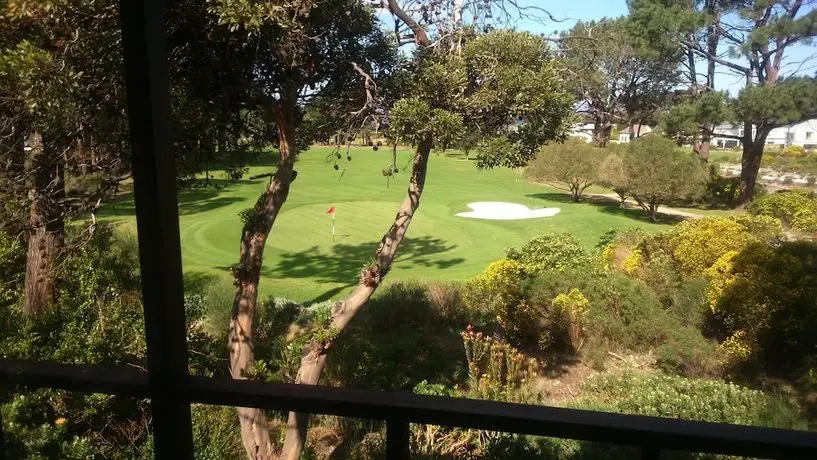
[(629, 203)]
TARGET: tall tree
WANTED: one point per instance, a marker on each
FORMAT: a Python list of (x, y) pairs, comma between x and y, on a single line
[(749, 38), (615, 80), (282, 56), (503, 82), (61, 110)]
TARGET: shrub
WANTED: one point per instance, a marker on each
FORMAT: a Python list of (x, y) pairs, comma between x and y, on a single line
[(765, 302), (796, 209), (657, 172), (572, 165), (498, 290), (698, 243), (557, 251), (688, 353), (793, 151), (496, 371), (570, 311), (662, 395), (371, 353)]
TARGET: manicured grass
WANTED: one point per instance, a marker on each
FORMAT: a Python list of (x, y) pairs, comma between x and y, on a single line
[(303, 263)]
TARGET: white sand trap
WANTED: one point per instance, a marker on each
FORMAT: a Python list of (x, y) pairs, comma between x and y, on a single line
[(498, 210)]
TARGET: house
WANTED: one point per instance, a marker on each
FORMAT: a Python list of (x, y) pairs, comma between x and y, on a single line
[(584, 131), (628, 134), (803, 134), (720, 135)]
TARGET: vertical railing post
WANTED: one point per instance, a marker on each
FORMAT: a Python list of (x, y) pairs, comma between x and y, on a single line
[(157, 221), (397, 439)]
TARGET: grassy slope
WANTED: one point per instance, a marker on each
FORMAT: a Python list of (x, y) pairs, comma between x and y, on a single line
[(302, 262)]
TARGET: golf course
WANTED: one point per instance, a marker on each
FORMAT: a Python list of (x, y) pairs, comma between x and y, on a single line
[(303, 261)]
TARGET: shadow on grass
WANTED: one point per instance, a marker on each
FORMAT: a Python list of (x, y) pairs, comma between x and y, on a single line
[(342, 262), (191, 201), (610, 206)]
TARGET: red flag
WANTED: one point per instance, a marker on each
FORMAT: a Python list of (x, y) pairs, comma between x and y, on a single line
[(331, 210)]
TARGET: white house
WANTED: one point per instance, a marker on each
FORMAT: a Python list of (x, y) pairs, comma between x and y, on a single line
[(803, 134), (583, 131), (726, 142), (628, 134)]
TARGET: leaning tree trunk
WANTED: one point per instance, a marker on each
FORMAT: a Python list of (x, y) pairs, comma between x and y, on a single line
[(750, 163), (46, 226), (313, 356), (257, 225)]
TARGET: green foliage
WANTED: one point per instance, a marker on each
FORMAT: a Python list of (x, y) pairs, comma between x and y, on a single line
[(496, 371), (657, 172), (557, 251), (678, 397), (796, 209), (412, 121), (498, 291), (99, 320), (570, 311), (216, 433), (612, 173), (573, 164), (428, 317), (502, 82), (688, 354), (615, 78), (763, 299)]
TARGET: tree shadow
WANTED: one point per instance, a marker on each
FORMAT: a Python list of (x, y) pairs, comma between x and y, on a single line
[(610, 206), (342, 263), (194, 200)]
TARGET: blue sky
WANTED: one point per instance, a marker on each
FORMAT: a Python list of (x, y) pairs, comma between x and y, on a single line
[(801, 58)]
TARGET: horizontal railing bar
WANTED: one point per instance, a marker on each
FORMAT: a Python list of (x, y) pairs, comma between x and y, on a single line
[(663, 433)]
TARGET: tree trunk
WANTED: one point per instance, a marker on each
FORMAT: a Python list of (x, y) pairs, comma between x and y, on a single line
[(313, 357), (601, 133), (701, 146), (257, 226), (750, 165), (46, 226)]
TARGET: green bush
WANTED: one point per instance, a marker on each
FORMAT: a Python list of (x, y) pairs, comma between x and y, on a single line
[(662, 395), (557, 251), (97, 319), (796, 209), (371, 353), (688, 353)]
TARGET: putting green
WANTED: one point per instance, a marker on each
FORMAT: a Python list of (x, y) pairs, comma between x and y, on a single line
[(304, 263)]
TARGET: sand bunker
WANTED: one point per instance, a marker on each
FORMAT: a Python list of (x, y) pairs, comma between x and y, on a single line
[(498, 210)]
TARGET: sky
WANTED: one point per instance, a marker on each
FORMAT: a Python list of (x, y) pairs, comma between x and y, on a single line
[(802, 59)]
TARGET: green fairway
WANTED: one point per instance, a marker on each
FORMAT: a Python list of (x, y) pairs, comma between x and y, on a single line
[(303, 263)]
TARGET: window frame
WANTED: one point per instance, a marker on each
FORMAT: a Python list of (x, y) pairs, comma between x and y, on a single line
[(171, 389)]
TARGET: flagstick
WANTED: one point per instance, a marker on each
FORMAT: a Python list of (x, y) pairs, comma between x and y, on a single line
[(333, 227)]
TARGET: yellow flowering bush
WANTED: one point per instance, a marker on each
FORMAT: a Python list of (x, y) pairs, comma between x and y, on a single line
[(569, 312), (498, 290), (699, 243)]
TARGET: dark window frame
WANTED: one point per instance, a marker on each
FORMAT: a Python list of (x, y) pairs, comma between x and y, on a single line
[(171, 389)]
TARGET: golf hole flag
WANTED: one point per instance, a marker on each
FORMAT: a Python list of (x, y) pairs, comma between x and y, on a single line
[(331, 210)]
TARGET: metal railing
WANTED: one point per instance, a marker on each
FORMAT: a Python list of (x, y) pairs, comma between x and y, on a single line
[(398, 410)]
